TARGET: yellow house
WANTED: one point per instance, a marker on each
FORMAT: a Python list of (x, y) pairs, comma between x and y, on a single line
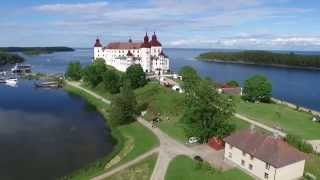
[(264, 156)]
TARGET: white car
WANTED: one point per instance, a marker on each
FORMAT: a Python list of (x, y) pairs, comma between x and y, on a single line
[(193, 140)]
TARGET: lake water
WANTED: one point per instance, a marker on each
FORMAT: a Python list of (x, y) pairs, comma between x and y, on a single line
[(45, 134), (294, 85)]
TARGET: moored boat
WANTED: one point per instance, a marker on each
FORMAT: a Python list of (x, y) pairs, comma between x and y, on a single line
[(21, 68)]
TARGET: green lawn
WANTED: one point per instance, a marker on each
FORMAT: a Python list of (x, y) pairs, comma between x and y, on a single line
[(292, 121), (313, 165), (144, 140), (184, 168), (140, 171)]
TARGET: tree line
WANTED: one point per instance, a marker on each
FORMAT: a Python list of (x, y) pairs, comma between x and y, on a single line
[(124, 108), (36, 50), (8, 58), (264, 58)]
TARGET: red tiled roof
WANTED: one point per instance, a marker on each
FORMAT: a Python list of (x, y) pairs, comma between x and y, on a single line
[(272, 150), (124, 45)]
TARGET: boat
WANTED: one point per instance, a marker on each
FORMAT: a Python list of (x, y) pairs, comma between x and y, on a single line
[(21, 68), (2, 80), (11, 82), (48, 84)]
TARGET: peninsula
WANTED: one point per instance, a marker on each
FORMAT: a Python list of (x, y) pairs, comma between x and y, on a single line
[(36, 50), (263, 58), (8, 58)]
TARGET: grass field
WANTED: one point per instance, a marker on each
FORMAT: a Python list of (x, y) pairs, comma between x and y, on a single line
[(313, 165), (292, 121), (184, 168), (140, 171)]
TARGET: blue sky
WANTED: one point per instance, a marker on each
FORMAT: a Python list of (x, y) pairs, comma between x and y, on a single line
[(230, 24)]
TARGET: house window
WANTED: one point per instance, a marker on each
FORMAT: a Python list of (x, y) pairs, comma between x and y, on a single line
[(267, 166), (251, 157), (266, 176), (250, 166), (230, 155), (243, 163)]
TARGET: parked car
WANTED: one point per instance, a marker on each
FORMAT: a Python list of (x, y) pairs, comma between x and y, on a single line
[(193, 140)]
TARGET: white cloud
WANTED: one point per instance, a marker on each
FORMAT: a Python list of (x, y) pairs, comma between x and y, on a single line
[(73, 8), (257, 41)]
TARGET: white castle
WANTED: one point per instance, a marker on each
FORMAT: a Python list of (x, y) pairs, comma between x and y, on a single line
[(121, 55)]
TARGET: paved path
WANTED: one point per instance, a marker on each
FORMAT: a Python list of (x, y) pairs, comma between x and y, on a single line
[(77, 85), (126, 165), (270, 129)]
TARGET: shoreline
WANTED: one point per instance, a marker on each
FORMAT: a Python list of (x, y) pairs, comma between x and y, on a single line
[(117, 139), (255, 64)]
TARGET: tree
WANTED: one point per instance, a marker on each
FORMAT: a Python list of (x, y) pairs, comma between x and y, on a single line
[(207, 112), (233, 83), (93, 73), (190, 78), (124, 106), (257, 88), (74, 71), (111, 81), (136, 76)]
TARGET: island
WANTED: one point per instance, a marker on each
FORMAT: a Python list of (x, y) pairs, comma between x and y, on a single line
[(268, 58), (36, 50), (8, 58)]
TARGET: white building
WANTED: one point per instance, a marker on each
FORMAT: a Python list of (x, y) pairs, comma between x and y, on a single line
[(121, 55), (264, 156)]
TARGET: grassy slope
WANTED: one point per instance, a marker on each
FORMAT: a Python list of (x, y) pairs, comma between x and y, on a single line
[(140, 171), (290, 120), (183, 167), (144, 140), (170, 104)]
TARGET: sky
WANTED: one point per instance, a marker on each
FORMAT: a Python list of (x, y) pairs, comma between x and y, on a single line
[(218, 24)]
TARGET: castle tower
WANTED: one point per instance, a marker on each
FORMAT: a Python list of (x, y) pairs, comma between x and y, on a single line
[(156, 46), (145, 54), (98, 51)]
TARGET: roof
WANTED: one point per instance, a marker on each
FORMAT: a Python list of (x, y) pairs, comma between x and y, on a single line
[(97, 44), (124, 45), (267, 148), (154, 41)]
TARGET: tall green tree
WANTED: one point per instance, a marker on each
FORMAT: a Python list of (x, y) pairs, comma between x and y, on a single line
[(257, 88), (136, 76), (233, 83), (74, 71), (190, 78), (124, 106), (111, 81), (207, 112), (93, 73)]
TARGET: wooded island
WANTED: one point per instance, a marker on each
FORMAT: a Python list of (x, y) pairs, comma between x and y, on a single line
[(264, 58), (8, 58), (36, 50)]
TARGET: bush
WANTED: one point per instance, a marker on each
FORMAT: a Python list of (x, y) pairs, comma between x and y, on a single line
[(111, 81), (257, 88), (93, 73), (74, 71), (299, 143), (136, 76)]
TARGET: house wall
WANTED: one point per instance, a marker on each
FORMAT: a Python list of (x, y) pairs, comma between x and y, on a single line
[(292, 171), (258, 166)]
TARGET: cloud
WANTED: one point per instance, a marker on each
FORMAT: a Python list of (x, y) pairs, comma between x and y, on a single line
[(255, 41), (73, 8)]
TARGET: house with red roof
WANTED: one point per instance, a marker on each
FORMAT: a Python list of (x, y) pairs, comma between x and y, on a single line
[(264, 156), (149, 54)]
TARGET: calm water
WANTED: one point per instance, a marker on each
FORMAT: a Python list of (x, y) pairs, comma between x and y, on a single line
[(298, 86), (45, 134)]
